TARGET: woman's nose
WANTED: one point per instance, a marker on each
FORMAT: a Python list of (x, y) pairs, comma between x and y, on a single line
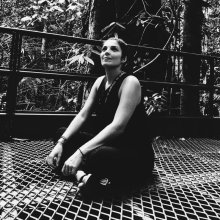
[(107, 51)]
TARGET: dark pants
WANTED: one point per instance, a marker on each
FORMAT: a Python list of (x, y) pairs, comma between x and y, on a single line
[(121, 165)]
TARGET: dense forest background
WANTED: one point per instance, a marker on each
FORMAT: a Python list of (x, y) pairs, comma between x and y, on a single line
[(177, 25)]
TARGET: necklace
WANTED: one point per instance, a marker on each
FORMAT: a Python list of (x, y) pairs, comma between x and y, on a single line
[(113, 83)]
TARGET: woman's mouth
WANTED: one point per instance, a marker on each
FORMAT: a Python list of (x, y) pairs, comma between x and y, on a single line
[(106, 58)]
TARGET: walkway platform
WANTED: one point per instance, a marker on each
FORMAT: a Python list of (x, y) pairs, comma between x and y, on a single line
[(186, 185)]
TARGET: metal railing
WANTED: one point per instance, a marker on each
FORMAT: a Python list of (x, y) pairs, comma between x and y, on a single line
[(15, 73)]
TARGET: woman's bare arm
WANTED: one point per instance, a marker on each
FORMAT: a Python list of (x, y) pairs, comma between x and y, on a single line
[(84, 113), (53, 158), (130, 96)]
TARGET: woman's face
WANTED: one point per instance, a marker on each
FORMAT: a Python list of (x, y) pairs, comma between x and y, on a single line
[(111, 54)]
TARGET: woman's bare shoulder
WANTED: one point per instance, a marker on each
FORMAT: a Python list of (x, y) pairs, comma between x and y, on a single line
[(131, 80), (98, 81), (100, 78)]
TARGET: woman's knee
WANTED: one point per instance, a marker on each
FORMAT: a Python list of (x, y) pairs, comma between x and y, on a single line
[(103, 159), (105, 153)]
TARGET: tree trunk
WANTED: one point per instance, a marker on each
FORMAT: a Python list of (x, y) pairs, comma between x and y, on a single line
[(104, 12), (189, 101), (101, 14)]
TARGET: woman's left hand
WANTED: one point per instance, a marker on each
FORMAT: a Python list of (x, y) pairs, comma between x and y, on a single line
[(72, 164)]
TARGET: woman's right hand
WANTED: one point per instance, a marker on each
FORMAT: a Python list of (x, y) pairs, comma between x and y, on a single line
[(53, 159)]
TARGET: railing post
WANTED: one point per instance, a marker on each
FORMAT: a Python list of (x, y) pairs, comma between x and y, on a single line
[(211, 84), (13, 80)]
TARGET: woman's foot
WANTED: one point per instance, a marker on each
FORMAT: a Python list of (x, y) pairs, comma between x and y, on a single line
[(92, 186), (82, 178)]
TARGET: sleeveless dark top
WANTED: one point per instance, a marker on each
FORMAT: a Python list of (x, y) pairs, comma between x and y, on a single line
[(107, 103)]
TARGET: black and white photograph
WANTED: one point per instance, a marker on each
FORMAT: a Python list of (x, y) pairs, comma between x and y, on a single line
[(109, 110)]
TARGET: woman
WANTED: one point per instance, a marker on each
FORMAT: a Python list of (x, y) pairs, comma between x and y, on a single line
[(119, 152)]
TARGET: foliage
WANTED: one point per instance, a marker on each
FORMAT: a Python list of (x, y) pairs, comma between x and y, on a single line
[(46, 95), (66, 17), (211, 28), (204, 104), (162, 26), (2, 101), (12, 12), (79, 55), (156, 103), (57, 16)]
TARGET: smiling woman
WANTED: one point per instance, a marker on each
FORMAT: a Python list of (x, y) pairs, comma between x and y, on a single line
[(119, 148), (112, 54)]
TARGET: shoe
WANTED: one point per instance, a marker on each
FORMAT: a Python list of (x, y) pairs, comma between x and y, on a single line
[(96, 187)]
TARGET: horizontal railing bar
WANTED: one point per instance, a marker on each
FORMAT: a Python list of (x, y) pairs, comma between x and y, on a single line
[(50, 74), (84, 77), (4, 71), (40, 113), (50, 35), (44, 113), (177, 53), (77, 77), (69, 114), (178, 85), (99, 42), (73, 114)]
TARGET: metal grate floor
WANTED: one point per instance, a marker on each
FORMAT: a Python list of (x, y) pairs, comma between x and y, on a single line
[(186, 186)]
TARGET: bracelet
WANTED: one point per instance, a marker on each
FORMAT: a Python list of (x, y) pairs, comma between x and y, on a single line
[(81, 178), (62, 140), (83, 155)]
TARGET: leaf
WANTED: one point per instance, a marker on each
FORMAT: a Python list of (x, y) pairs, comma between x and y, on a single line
[(45, 17), (42, 1), (81, 59), (89, 60), (56, 8), (27, 18), (72, 7), (73, 59), (23, 80), (61, 1), (79, 14), (146, 98), (53, 27), (95, 52), (60, 109), (81, 5), (150, 110), (35, 7), (38, 80), (34, 16), (155, 94), (69, 100)]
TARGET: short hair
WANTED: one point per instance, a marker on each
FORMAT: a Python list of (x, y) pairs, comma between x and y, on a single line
[(121, 43)]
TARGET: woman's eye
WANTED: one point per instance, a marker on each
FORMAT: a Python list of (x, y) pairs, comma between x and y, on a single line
[(104, 48), (114, 48)]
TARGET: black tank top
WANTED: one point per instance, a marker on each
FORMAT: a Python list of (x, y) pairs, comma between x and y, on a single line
[(107, 103)]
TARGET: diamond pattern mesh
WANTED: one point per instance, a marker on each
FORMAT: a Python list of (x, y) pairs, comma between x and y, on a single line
[(186, 185)]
